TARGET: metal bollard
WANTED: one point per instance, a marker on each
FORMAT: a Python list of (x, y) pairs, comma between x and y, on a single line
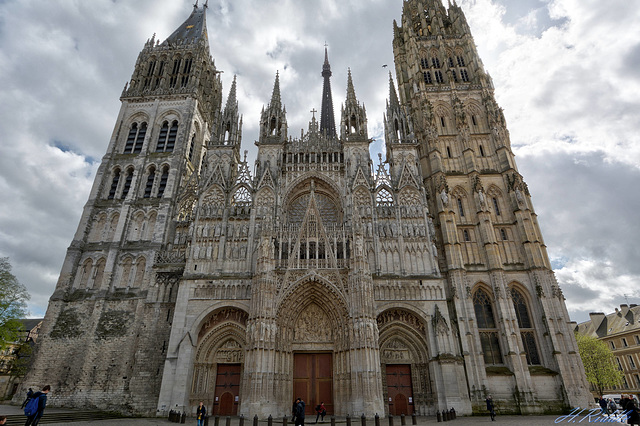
[(227, 421), (377, 420), (241, 420), (438, 416), (270, 420), (216, 421), (453, 413), (390, 419), (184, 417), (403, 421), (348, 420), (444, 416), (414, 419), (255, 420), (363, 420), (285, 420), (333, 421)]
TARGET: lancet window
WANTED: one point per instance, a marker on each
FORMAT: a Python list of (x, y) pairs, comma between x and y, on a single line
[(487, 328), (114, 184), (167, 137), (135, 139), (127, 184), (527, 332)]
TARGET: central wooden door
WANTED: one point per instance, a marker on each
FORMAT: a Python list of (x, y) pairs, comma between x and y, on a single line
[(227, 395), (313, 380), (399, 389)]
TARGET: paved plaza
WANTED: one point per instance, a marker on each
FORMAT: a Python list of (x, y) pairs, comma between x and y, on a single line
[(582, 418)]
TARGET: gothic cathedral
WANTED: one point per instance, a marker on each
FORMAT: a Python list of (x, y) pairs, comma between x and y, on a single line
[(408, 285)]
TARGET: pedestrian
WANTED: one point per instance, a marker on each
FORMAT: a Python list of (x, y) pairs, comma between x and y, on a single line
[(300, 412), (612, 406), (42, 403), (321, 411), (633, 416), (201, 413), (29, 395), (603, 404), (490, 408), (294, 407), (3, 420)]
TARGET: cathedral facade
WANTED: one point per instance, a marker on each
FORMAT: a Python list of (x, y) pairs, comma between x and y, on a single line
[(412, 285)]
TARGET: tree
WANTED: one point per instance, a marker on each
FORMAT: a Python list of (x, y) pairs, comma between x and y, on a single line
[(599, 363), (13, 304)]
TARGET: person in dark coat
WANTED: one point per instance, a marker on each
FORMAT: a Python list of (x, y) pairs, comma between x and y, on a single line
[(42, 403), (300, 412), (201, 413), (633, 416), (490, 408), (603, 405), (293, 409)]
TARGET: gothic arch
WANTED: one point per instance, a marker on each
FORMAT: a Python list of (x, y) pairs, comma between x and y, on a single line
[(409, 196), (300, 185), (139, 117), (126, 264)]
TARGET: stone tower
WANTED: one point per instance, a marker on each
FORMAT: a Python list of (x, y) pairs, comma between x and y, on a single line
[(513, 323), (410, 286)]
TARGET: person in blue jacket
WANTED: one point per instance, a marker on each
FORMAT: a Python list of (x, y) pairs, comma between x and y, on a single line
[(42, 403)]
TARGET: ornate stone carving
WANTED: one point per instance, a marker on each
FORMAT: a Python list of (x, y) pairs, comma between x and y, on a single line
[(400, 315), (224, 315), (313, 326)]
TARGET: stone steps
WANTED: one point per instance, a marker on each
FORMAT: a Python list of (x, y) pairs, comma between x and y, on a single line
[(68, 417)]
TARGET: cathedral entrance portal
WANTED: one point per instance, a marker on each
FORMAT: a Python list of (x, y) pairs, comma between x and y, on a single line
[(399, 389), (313, 380), (227, 393)]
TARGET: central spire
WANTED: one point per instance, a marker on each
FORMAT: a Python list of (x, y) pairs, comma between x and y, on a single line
[(327, 119)]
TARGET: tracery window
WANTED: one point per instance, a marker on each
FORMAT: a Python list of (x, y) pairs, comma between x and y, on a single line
[(487, 328), (439, 77), (427, 77), (384, 198), (326, 208), (424, 63), (527, 331), (167, 137), (242, 197)]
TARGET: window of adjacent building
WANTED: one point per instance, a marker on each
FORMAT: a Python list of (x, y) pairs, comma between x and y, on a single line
[(637, 339), (619, 363), (465, 233), (613, 345), (631, 362), (487, 328), (503, 234), (626, 384), (624, 342), (637, 377), (449, 152), (527, 332)]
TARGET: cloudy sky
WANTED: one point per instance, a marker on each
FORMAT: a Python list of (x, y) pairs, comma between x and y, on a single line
[(567, 73)]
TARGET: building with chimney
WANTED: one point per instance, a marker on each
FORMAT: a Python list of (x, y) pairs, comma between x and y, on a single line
[(409, 285)]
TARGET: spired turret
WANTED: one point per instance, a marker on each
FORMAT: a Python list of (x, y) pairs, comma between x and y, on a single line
[(327, 118), (273, 121)]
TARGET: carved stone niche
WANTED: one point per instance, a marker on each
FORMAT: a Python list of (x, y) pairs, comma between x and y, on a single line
[(313, 326), (224, 315), (230, 352), (395, 351)]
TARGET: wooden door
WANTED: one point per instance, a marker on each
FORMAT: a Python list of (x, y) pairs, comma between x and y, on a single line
[(313, 380), (399, 389), (227, 394)]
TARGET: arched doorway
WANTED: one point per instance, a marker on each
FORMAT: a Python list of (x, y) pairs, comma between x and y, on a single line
[(404, 358), (219, 362)]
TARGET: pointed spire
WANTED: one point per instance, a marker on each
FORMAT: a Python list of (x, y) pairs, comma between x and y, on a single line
[(194, 28), (351, 91), (232, 101), (327, 118), (392, 92), (275, 96)]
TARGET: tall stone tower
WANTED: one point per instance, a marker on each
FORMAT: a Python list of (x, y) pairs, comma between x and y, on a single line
[(513, 323), (410, 286)]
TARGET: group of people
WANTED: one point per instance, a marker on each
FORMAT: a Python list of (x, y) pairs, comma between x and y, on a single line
[(628, 405), (298, 412)]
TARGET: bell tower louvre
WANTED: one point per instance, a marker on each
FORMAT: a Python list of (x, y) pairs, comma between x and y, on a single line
[(409, 285)]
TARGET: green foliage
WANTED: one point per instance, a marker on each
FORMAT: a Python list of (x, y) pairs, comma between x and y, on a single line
[(22, 360), (13, 304), (599, 363)]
